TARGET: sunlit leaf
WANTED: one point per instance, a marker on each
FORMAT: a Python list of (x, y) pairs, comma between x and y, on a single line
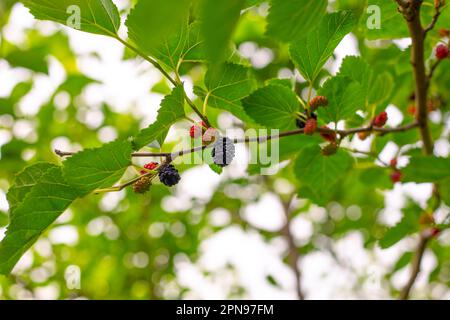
[(291, 20), (96, 168), (46, 200), (96, 16), (311, 52), (171, 111)]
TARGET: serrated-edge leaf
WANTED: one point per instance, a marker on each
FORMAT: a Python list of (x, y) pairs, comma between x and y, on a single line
[(290, 20), (171, 111), (407, 225), (422, 169), (100, 167), (320, 173), (226, 87), (273, 106), (218, 21), (345, 96), (57, 11), (159, 28), (195, 45), (24, 181), (312, 52), (45, 202)]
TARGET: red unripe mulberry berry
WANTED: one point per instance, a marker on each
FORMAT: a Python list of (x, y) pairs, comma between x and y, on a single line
[(435, 232), (197, 130), (412, 110), (209, 136), (310, 127), (426, 219), (319, 101), (380, 120), (363, 135), (329, 136), (330, 150), (444, 33), (393, 163), (396, 176), (151, 165), (441, 52)]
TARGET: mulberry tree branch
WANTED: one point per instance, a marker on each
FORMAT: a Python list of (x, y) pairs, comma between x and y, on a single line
[(293, 255), (342, 133), (416, 266), (417, 33)]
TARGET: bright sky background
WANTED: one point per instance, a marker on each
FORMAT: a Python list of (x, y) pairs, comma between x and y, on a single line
[(125, 85)]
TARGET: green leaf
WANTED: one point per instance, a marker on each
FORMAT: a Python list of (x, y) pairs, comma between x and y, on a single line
[(226, 87), (20, 90), (281, 149), (24, 181), (291, 20), (159, 28), (345, 98), (97, 16), (376, 177), (98, 168), (194, 50), (312, 52), (403, 261), (250, 3), (408, 225), (444, 188), (288, 83), (382, 88), (171, 111), (273, 107), (426, 169), (391, 23), (320, 173), (46, 200), (33, 58), (217, 169), (376, 87), (218, 21)]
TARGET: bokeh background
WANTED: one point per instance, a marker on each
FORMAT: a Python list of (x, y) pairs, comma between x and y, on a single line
[(211, 237)]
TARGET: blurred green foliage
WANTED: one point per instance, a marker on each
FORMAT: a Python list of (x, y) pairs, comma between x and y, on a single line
[(129, 250)]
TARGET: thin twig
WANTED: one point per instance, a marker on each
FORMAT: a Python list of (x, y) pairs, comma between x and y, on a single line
[(433, 69), (402, 3), (417, 261), (368, 153), (293, 255), (435, 19), (120, 187), (262, 139)]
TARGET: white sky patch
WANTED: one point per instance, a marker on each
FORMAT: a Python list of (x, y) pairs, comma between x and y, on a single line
[(67, 235), (266, 214)]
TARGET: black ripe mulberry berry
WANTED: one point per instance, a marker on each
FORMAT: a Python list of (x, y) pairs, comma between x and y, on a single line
[(223, 152), (301, 122), (169, 175)]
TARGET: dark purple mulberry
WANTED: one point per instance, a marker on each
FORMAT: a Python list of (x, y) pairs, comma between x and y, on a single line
[(223, 152), (169, 176)]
